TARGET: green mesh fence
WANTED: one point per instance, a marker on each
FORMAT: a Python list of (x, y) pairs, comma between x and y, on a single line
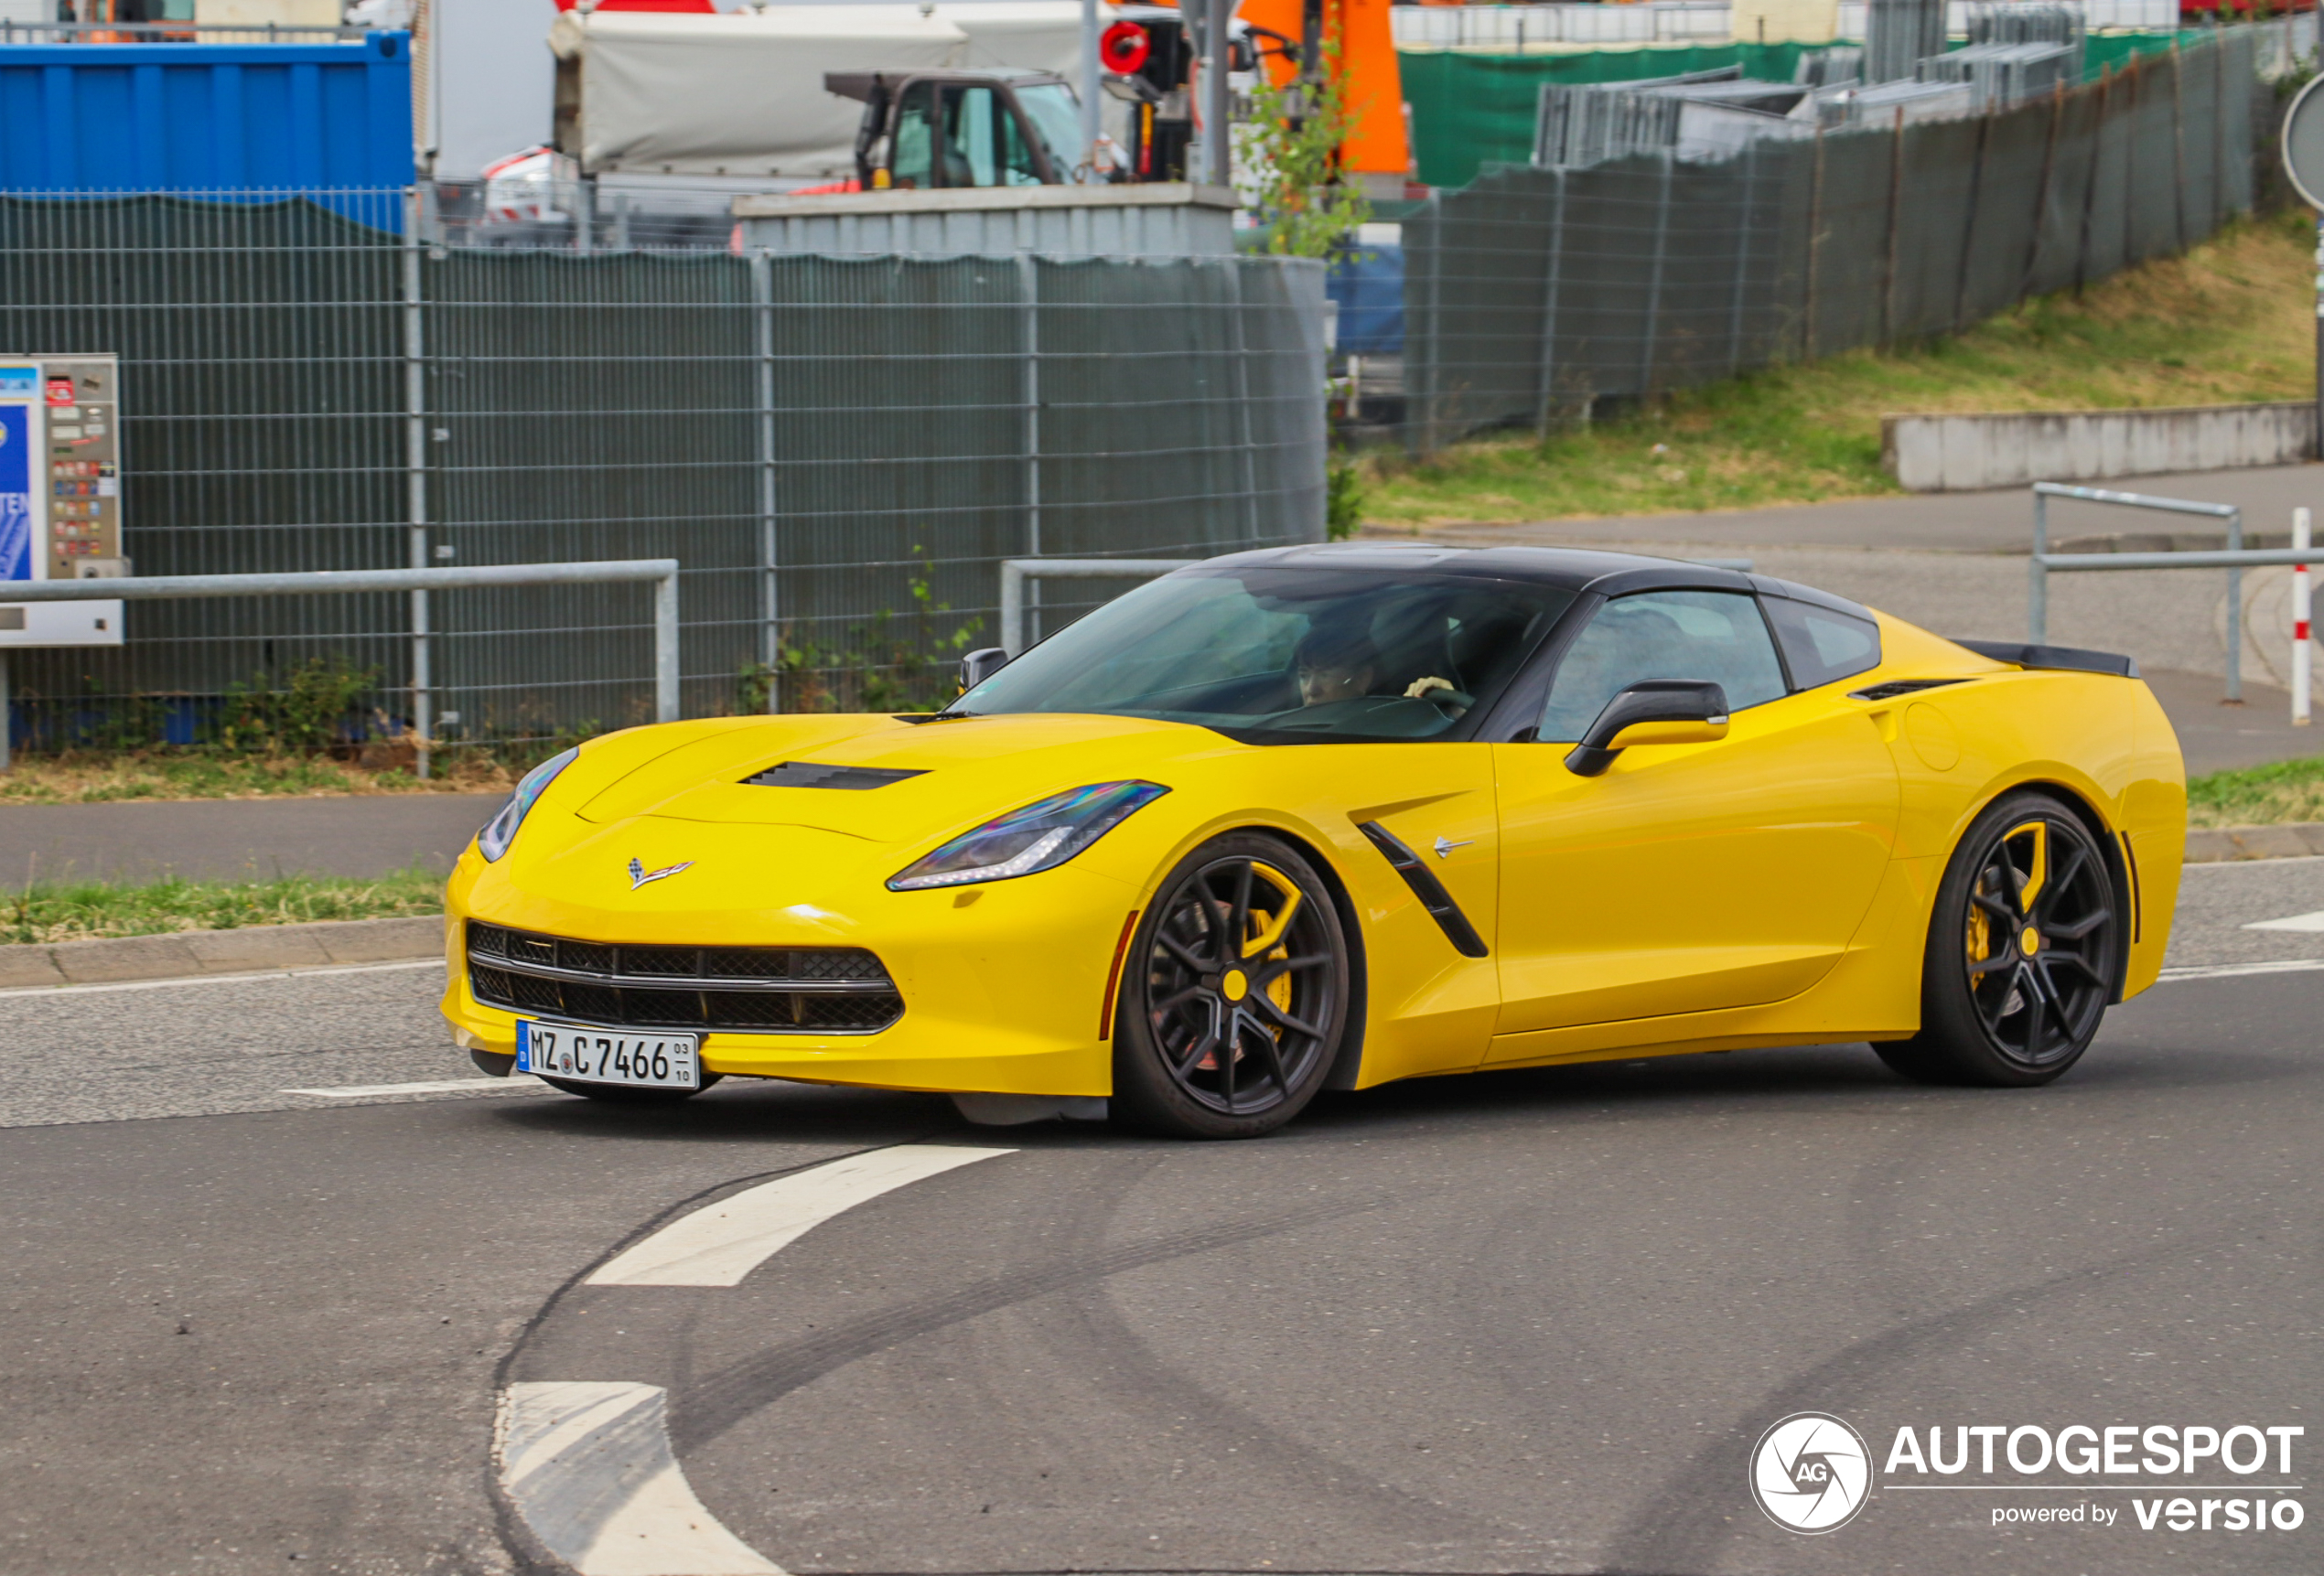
[(1472, 110), (1532, 293)]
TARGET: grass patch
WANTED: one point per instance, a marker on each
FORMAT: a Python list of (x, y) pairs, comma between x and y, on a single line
[(2230, 322), (95, 777), (2258, 796), (75, 911)]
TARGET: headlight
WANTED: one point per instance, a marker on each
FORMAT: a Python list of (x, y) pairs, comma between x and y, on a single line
[(500, 830), (1042, 836)]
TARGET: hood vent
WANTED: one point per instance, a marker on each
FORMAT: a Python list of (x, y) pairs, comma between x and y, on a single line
[(807, 774)]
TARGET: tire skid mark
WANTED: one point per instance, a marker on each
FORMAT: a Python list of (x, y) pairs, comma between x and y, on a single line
[(598, 1481), (710, 1407), (721, 1243), (589, 1468), (1663, 1540)]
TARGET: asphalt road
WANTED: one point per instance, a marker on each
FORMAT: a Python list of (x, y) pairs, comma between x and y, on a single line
[(1529, 1321)]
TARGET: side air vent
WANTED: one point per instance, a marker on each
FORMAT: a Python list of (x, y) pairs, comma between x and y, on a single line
[(1427, 888), (807, 774), (1896, 687)]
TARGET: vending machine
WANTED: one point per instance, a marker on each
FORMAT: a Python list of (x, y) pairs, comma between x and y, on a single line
[(60, 494)]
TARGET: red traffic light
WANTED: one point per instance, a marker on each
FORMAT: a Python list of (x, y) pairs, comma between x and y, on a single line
[(1123, 48)]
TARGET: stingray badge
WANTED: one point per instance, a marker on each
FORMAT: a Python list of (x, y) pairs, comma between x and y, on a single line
[(640, 875)]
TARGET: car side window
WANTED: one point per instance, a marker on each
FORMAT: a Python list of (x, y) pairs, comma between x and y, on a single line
[(1714, 635), (913, 165), (1821, 644)]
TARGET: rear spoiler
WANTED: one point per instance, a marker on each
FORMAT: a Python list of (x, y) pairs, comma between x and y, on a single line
[(2068, 657)]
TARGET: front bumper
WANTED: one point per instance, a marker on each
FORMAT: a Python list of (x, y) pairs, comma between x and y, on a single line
[(1002, 985)]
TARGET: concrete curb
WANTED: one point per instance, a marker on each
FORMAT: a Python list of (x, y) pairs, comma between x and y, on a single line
[(2221, 844), (188, 954)]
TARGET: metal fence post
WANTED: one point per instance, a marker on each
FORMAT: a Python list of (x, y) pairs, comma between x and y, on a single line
[(2235, 613), (2303, 524), (762, 292), (1556, 269), (1815, 247), (1655, 277), (416, 473), (2038, 586), (1749, 215), (1028, 281), (666, 647)]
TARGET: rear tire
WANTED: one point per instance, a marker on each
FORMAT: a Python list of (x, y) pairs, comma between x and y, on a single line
[(628, 1094), (1235, 994), (2022, 951)]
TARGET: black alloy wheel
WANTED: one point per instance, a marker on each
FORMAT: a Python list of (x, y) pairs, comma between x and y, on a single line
[(1235, 994), (2023, 951)]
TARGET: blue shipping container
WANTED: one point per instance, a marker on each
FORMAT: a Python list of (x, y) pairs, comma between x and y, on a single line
[(205, 117)]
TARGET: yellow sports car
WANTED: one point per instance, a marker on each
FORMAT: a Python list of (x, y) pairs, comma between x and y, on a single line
[(1327, 817)]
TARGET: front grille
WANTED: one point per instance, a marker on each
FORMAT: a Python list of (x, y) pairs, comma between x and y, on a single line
[(778, 990)]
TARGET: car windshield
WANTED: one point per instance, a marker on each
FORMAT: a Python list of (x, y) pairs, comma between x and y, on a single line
[(1057, 120), (1287, 655)]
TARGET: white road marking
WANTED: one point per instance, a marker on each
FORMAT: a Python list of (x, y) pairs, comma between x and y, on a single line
[(2297, 922), (220, 979), (437, 1087), (589, 1468), (720, 1243), (2233, 970)]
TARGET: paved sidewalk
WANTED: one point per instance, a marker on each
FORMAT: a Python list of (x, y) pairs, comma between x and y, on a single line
[(1996, 522), (224, 840)]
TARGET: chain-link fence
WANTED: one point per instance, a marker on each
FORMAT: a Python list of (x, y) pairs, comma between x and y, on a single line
[(840, 451), (1534, 293)]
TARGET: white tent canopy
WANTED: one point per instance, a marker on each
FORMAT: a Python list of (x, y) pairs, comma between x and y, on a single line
[(741, 93)]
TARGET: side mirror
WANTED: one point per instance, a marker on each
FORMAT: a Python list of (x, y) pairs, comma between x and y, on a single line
[(1658, 711), (980, 665)]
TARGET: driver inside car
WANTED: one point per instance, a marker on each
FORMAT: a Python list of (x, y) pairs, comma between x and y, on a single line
[(1334, 665), (1342, 665)]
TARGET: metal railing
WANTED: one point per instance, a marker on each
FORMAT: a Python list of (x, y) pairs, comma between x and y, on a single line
[(2236, 559), (662, 572), (1015, 572), (18, 31)]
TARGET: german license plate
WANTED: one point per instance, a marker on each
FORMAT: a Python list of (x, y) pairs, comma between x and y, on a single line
[(605, 1056)]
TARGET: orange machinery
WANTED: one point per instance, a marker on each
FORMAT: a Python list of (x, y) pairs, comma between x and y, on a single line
[(1375, 147)]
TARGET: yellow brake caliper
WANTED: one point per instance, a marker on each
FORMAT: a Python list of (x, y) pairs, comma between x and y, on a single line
[(1267, 932), (2037, 876)]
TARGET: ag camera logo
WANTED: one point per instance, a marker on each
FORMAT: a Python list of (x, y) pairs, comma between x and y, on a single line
[(1811, 1473)]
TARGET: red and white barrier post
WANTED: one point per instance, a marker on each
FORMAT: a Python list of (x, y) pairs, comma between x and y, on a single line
[(2300, 528)]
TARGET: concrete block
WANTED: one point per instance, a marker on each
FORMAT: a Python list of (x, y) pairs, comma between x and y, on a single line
[(2293, 839), (258, 946), (23, 965), (1966, 452), (381, 940), (125, 957)]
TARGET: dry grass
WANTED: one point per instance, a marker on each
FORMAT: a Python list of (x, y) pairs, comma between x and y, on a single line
[(88, 777), (2258, 796), (80, 910), (2230, 322)]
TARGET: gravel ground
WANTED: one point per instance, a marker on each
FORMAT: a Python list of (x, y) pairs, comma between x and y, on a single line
[(204, 1047)]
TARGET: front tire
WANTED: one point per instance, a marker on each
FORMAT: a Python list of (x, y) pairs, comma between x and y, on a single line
[(1235, 994), (2022, 951)]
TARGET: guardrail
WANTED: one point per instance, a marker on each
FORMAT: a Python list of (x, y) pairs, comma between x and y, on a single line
[(18, 30), (1015, 572), (662, 572), (2236, 559)]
